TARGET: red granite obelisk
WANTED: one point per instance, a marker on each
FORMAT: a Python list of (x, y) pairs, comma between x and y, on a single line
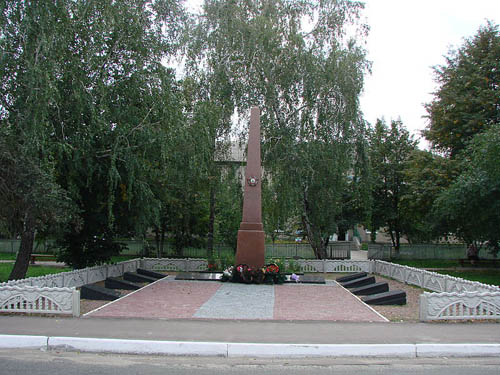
[(251, 237)]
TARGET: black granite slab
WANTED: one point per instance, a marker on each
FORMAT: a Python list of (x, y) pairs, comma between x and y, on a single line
[(116, 283), (96, 292), (359, 282), (311, 279), (149, 273), (350, 277), (394, 297), (199, 276), (371, 289), (135, 277)]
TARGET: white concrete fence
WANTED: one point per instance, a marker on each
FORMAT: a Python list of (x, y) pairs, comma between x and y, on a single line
[(455, 298)]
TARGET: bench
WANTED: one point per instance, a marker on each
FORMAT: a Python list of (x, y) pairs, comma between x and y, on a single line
[(34, 257), (479, 262)]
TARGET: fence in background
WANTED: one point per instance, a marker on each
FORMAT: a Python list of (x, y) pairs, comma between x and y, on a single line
[(335, 250), (421, 251)]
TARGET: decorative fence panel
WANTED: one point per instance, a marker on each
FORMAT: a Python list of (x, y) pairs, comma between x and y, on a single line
[(456, 298), (345, 266), (28, 299), (454, 306), (56, 294), (430, 280)]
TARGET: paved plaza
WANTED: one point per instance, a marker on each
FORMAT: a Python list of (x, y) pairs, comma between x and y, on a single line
[(171, 299)]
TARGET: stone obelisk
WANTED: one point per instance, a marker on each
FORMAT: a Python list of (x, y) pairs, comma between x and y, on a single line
[(251, 237)]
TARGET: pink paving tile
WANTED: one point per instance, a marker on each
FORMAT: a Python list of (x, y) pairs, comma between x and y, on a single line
[(309, 302), (163, 299)]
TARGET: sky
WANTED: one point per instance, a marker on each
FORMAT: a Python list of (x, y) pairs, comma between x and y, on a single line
[(408, 38)]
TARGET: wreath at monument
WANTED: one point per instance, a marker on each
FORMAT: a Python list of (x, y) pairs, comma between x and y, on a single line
[(242, 273)]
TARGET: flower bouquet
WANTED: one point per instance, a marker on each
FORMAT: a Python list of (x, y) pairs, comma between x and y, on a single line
[(242, 273)]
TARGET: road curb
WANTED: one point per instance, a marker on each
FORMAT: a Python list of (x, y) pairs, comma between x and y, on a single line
[(176, 348), (457, 350), (320, 350), (14, 341), (254, 350)]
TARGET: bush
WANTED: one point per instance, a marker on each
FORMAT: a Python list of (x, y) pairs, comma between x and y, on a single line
[(80, 251)]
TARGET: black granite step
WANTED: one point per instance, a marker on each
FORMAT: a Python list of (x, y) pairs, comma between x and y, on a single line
[(359, 282), (95, 292), (116, 283), (394, 297), (135, 277), (312, 279), (149, 273), (370, 289), (350, 277)]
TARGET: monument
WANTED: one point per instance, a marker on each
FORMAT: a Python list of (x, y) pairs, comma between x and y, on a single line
[(251, 237)]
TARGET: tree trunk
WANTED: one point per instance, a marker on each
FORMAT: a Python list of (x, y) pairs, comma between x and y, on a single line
[(23, 256), (162, 242), (157, 242), (211, 222), (317, 242)]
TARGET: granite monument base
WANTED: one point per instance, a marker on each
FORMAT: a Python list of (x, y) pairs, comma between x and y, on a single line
[(251, 248)]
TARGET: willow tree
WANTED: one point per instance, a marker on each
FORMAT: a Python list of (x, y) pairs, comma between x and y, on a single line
[(300, 61), (84, 94)]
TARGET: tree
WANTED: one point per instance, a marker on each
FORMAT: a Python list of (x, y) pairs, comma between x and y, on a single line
[(470, 207), (390, 150), (30, 201), (84, 93), (467, 101), (306, 76), (426, 175)]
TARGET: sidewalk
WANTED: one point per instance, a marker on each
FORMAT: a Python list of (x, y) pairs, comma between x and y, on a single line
[(252, 338)]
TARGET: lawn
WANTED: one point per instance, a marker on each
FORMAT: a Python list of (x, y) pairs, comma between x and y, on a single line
[(33, 271), (490, 276), (428, 263), (7, 256)]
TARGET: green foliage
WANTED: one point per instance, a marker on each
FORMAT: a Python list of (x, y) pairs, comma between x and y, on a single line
[(426, 175), (85, 97), (307, 80), (390, 151), (470, 207), (80, 250), (467, 101)]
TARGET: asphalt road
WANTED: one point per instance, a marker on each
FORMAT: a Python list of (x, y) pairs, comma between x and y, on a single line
[(33, 362)]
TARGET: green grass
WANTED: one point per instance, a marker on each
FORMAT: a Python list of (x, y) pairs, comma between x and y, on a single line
[(7, 256), (122, 258), (491, 277), (33, 271), (428, 263)]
